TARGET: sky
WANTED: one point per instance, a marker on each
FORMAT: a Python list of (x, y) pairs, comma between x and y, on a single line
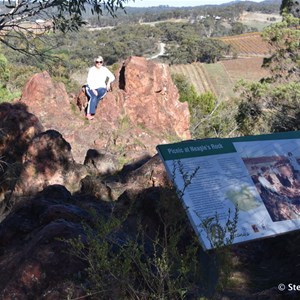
[(177, 3)]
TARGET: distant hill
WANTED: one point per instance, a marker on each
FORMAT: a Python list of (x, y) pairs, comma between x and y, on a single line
[(165, 12), (277, 2)]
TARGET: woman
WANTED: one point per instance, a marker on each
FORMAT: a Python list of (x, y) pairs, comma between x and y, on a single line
[(98, 83)]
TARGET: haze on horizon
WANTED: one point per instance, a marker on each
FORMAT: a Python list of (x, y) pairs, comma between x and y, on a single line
[(177, 3)]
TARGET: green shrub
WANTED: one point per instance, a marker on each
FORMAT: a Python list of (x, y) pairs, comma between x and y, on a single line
[(160, 261), (267, 107), (140, 267), (209, 117), (4, 71)]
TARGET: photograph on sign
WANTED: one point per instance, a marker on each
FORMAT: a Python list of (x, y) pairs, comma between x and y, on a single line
[(275, 170), (258, 178)]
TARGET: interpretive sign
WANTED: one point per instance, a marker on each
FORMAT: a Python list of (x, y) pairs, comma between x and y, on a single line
[(257, 176)]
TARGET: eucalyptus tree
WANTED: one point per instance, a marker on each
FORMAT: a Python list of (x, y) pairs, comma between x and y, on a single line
[(21, 20), (273, 103), (291, 6)]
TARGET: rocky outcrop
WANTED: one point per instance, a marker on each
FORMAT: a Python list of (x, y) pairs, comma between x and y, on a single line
[(122, 126), (101, 163), (68, 166), (47, 161), (149, 174), (17, 128), (35, 258), (152, 98), (49, 198), (142, 111)]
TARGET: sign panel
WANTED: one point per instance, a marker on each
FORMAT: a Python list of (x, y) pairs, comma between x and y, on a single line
[(257, 176)]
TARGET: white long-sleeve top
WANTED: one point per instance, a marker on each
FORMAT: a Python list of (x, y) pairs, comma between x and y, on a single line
[(97, 77)]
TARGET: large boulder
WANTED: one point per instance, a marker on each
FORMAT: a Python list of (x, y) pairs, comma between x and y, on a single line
[(142, 111), (46, 98), (47, 161), (149, 174), (34, 259), (100, 163), (152, 98), (17, 128)]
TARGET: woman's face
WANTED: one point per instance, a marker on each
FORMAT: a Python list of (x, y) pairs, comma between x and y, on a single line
[(98, 63)]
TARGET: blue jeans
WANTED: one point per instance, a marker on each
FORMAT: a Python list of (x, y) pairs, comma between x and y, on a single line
[(94, 99)]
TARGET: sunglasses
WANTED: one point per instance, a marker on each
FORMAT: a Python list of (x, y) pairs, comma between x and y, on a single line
[(99, 62)]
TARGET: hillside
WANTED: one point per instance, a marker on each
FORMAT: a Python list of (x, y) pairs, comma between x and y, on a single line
[(245, 68), (125, 221), (221, 77), (196, 75), (247, 45), (165, 12), (259, 20)]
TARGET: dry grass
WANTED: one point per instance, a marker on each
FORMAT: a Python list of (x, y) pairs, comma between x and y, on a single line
[(195, 75), (258, 20), (221, 77)]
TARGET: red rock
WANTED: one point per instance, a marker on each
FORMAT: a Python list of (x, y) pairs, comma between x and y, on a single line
[(142, 111), (18, 126), (152, 98), (41, 87), (47, 161)]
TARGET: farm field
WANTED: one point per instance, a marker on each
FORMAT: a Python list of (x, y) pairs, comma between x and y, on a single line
[(196, 76), (245, 68), (258, 20), (248, 44), (221, 82), (221, 77), (207, 78)]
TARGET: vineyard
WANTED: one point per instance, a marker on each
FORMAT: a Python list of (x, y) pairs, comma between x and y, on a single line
[(207, 78), (196, 75), (220, 78), (247, 45), (245, 68)]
